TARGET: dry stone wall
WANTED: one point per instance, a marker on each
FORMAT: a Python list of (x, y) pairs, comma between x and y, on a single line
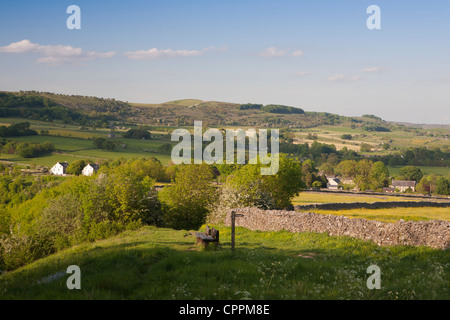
[(433, 233)]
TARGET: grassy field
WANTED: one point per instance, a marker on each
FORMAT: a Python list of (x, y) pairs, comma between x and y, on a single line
[(164, 264), (397, 139), (393, 214), (316, 197), (440, 171), (73, 143)]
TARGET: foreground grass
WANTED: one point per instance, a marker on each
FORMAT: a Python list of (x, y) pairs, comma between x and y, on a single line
[(153, 263)]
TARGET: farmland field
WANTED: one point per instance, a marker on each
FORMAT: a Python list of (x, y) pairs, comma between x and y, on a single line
[(393, 214)]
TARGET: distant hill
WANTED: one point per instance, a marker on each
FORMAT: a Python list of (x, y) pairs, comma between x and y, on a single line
[(85, 110)]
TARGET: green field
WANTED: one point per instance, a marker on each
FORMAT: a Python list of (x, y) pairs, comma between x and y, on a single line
[(305, 198), (72, 143), (164, 264)]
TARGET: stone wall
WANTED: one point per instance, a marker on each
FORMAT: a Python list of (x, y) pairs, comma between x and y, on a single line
[(373, 205), (434, 233)]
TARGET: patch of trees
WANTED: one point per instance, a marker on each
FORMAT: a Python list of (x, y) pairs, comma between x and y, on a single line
[(31, 105), (376, 128), (346, 137), (138, 134), (272, 108), (249, 106), (17, 130), (433, 184), (366, 174), (418, 157), (27, 149), (371, 116), (102, 143)]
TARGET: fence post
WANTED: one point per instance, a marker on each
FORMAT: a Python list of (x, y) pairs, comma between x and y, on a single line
[(233, 228)]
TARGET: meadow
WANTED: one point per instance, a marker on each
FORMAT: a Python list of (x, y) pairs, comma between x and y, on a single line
[(164, 264), (73, 143)]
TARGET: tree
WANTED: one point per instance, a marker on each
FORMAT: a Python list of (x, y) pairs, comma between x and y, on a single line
[(246, 187), (442, 186), (102, 143), (346, 137), (379, 175), (188, 200), (411, 173), (137, 134), (76, 167)]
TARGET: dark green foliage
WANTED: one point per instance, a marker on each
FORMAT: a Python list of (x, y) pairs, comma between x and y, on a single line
[(27, 149), (376, 128), (346, 137), (76, 167), (443, 186), (249, 106), (102, 143), (411, 173), (17, 130), (272, 108), (188, 200), (137, 134)]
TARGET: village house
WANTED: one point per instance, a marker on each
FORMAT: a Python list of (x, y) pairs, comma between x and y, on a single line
[(59, 169), (403, 185), (333, 182), (90, 169)]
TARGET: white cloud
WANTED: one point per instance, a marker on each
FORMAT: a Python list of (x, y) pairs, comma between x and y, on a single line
[(299, 73), (55, 54), (371, 70), (271, 52), (156, 53), (298, 53), (274, 52), (341, 77)]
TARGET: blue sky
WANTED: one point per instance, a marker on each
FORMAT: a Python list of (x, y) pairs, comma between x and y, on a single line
[(318, 55)]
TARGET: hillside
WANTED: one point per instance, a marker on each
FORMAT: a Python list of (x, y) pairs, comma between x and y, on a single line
[(85, 110)]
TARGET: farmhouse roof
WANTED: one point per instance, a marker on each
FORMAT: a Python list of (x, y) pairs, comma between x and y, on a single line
[(403, 183), (95, 166), (64, 164)]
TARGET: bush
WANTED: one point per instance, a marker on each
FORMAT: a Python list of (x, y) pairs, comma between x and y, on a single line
[(188, 200), (17, 250), (137, 134), (62, 221), (346, 137)]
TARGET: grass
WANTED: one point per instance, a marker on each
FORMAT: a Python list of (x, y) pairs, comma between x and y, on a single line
[(426, 170), (72, 144), (393, 214), (315, 197), (164, 264)]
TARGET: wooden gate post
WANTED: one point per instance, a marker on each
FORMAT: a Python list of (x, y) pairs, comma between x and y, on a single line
[(233, 228)]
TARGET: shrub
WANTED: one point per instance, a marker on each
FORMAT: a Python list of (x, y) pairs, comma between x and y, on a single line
[(17, 250), (137, 134), (187, 202)]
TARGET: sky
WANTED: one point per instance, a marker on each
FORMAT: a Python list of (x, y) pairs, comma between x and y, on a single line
[(317, 55)]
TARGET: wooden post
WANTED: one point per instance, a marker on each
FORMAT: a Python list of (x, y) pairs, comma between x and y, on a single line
[(233, 228)]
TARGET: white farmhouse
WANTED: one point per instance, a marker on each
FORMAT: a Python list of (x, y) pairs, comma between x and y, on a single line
[(90, 169), (333, 182), (59, 169)]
